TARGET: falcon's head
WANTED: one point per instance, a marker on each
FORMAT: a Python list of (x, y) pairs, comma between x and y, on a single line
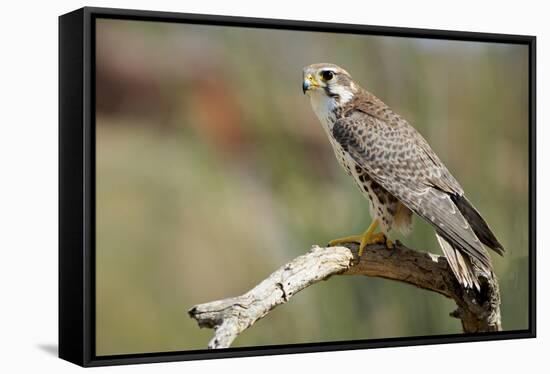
[(328, 84)]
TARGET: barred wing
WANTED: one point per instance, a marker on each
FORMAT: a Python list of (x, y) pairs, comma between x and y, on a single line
[(401, 161)]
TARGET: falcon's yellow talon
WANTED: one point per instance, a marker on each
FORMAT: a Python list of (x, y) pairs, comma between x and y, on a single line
[(378, 238), (366, 238), (346, 239), (362, 247)]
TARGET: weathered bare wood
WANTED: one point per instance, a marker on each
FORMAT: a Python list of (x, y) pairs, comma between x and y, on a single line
[(478, 311)]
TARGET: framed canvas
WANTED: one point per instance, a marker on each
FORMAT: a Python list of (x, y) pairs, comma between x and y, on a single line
[(208, 163)]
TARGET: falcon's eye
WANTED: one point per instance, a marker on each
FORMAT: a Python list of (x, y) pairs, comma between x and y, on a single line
[(327, 75)]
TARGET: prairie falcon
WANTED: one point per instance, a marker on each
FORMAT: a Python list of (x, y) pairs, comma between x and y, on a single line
[(395, 168)]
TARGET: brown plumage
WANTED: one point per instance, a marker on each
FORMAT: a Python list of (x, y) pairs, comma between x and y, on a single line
[(395, 168)]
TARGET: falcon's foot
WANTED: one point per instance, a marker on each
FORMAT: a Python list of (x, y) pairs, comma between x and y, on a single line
[(346, 239), (366, 238), (380, 238)]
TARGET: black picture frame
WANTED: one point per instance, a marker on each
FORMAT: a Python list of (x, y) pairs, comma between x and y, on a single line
[(77, 184)]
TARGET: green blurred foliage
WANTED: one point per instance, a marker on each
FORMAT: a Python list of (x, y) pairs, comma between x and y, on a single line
[(212, 171)]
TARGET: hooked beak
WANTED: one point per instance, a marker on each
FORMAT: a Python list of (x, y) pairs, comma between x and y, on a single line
[(309, 83)]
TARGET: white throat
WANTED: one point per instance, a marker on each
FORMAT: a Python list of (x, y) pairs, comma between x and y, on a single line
[(324, 105)]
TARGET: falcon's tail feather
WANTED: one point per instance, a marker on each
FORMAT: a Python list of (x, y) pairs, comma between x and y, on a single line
[(478, 224), (460, 265)]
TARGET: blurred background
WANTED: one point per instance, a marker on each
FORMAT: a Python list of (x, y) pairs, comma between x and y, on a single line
[(213, 171)]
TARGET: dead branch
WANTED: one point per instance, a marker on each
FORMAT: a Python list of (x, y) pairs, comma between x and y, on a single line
[(478, 311)]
